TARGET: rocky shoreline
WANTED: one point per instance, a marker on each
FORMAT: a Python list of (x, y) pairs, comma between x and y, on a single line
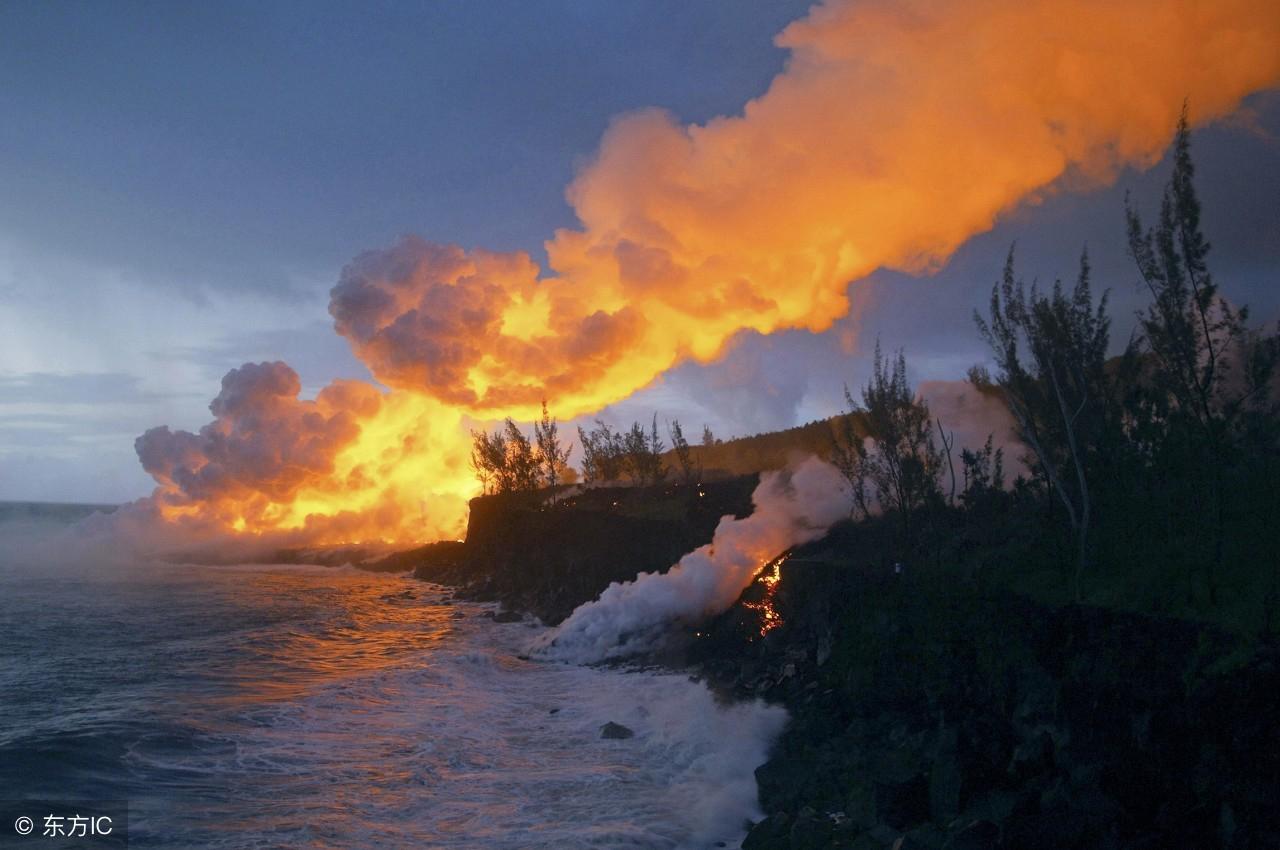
[(546, 558), (934, 716), (929, 710)]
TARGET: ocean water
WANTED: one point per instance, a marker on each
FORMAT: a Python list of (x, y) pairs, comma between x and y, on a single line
[(286, 706)]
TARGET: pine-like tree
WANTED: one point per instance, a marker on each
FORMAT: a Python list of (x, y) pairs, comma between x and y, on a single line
[(553, 456), (1058, 394), (902, 463)]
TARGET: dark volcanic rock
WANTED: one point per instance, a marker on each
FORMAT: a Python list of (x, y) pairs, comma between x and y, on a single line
[(508, 617), (809, 831), (902, 803), (773, 831), (615, 731), (945, 714), (548, 559), (929, 709), (439, 553), (978, 835)]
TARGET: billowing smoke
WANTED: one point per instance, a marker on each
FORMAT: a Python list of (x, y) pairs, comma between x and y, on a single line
[(899, 129), (792, 506), (970, 416), (264, 442), (354, 464)]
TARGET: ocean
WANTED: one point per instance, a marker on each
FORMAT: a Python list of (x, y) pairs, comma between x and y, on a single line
[(265, 706)]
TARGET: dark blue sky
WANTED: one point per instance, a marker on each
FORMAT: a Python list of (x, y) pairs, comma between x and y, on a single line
[(229, 145), (182, 184)]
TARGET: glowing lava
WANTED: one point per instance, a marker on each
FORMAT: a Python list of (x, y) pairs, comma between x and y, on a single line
[(769, 577)]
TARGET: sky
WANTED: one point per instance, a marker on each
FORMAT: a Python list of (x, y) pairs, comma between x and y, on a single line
[(182, 185)]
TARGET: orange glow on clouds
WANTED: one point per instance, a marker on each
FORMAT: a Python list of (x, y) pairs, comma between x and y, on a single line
[(897, 131), (354, 465)]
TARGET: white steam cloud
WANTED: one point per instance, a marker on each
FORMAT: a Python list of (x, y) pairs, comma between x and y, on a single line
[(792, 506)]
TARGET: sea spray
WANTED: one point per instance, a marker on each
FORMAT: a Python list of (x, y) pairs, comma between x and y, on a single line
[(253, 705), (792, 506)]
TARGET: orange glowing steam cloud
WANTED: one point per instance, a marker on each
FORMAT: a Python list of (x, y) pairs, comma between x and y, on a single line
[(897, 131), (354, 465)]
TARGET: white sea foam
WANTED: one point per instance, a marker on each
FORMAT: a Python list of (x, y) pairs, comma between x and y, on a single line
[(388, 722), (467, 744)]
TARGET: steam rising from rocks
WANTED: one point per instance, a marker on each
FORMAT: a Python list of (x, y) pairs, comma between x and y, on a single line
[(792, 506)]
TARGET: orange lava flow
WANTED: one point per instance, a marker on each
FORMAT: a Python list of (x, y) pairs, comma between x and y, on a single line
[(770, 576)]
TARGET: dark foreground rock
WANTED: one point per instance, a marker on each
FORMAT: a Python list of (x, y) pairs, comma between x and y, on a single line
[(616, 731), (547, 559), (933, 713), (930, 707)]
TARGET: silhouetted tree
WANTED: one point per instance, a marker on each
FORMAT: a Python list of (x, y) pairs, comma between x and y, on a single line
[(522, 461), (489, 460), (690, 468), (849, 455), (553, 455), (983, 472), (948, 439), (1188, 327), (657, 469), (644, 454), (903, 462), (1058, 395), (603, 454), (1194, 340)]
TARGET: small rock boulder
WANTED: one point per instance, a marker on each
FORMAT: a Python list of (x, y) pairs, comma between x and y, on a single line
[(507, 617), (615, 731)]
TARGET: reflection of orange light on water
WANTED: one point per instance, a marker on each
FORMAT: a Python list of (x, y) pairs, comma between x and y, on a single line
[(770, 575), (377, 622)]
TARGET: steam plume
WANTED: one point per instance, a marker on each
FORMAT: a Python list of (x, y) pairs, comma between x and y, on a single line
[(899, 129), (791, 507), (355, 464), (970, 416)]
